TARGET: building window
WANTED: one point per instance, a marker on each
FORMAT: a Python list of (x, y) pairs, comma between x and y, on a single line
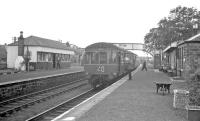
[(66, 57), (50, 57), (44, 57), (39, 57)]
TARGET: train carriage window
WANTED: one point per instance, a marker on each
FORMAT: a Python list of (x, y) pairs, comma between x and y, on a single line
[(110, 56), (122, 58), (103, 57), (113, 57), (95, 58), (127, 58)]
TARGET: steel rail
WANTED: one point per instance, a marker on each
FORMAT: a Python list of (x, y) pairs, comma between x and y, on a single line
[(27, 100), (52, 113), (63, 107)]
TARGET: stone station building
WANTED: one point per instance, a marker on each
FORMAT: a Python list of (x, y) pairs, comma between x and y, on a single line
[(183, 58), (188, 56)]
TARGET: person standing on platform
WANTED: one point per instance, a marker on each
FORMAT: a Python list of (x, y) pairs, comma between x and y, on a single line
[(144, 66)]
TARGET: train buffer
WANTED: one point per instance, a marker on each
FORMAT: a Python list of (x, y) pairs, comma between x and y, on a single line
[(162, 86)]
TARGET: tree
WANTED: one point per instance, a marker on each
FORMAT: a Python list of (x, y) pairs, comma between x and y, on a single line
[(176, 27)]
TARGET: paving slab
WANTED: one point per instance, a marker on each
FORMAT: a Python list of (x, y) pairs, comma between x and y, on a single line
[(136, 100)]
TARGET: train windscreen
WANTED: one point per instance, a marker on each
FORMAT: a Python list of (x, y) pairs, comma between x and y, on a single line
[(103, 57), (95, 58)]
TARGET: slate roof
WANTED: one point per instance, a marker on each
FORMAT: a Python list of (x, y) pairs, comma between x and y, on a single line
[(42, 42), (194, 38)]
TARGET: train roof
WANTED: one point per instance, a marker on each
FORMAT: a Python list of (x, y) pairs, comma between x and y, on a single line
[(105, 45), (102, 45)]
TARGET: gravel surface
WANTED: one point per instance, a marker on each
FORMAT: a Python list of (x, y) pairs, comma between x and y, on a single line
[(40, 107), (137, 100), (38, 73)]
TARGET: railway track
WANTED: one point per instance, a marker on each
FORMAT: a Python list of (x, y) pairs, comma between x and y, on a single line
[(63, 107), (67, 105), (8, 107)]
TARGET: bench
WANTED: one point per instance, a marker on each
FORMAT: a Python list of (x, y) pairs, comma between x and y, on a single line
[(163, 87)]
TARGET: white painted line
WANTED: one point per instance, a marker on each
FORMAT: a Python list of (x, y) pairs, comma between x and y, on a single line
[(69, 119), (83, 107), (156, 70)]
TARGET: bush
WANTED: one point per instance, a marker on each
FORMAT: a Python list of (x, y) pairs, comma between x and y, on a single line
[(194, 89)]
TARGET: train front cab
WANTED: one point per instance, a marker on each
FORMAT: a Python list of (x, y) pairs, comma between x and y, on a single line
[(101, 66)]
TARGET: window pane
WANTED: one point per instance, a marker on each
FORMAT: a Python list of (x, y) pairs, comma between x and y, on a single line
[(113, 57), (87, 57), (50, 57), (110, 56), (46, 57), (103, 58), (95, 58), (39, 56)]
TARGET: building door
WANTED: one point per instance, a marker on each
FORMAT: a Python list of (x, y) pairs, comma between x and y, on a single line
[(54, 60)]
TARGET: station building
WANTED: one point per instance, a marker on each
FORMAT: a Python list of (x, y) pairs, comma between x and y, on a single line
[(170, 58), (183, 58), (3, 56), (188, 56), (41, 53)]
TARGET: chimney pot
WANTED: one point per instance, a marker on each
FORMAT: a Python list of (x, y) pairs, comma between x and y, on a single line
[(21, 34)]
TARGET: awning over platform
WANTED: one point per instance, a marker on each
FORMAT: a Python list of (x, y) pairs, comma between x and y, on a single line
[(171, 47)]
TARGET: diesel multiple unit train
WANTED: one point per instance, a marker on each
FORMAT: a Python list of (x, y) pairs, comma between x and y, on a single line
[(105, 61)]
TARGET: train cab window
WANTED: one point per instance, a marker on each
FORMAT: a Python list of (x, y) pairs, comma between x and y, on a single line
[(103, 57), (88, 58), (95, 58)]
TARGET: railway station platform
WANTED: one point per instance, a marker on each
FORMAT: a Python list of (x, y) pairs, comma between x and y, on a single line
[(10, 78), (133, 100)]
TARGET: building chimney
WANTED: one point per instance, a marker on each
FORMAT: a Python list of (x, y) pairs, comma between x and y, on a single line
[(21, 45), (15, 39)]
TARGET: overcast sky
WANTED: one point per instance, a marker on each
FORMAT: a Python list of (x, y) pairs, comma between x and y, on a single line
[(83, 22)]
